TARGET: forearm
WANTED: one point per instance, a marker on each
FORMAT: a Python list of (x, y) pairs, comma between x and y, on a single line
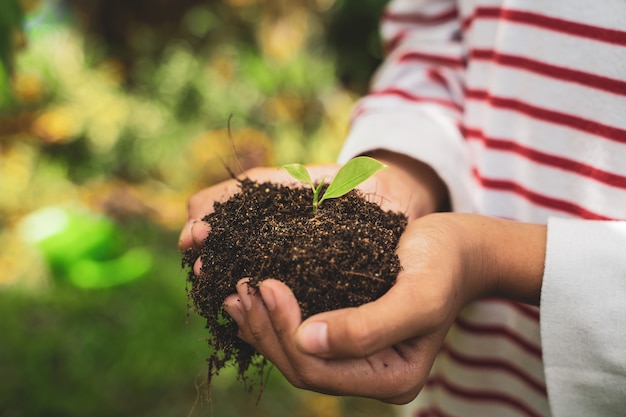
[(513, 258)]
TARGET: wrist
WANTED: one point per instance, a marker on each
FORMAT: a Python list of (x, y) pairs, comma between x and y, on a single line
[(496, 258), (520, 253), (507, 257)]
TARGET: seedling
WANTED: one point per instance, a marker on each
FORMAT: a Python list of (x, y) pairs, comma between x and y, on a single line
[(349, 176)]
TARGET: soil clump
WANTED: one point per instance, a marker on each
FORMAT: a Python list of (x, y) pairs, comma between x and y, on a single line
[(341, 256)]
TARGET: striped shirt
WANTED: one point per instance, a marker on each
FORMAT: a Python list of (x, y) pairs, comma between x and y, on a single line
[(520, 106)]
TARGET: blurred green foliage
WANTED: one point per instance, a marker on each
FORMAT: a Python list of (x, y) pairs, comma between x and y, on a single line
[(10, 25), (123, 351), (10, 22), (353, 37), (120, 109)]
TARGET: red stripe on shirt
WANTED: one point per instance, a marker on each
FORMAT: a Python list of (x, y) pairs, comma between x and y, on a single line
[(611, 36), (551, 116), (404, 94), (527, 310), (543, 158), (499, 331), (413, 19), (446, 60), (419, 18), (561, 73), (433, 411), (392, 43), (483, 395), (435, 75), (537, 198), (495, 364)]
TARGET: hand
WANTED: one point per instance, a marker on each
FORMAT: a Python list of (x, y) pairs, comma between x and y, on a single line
[(396, 370), (369, 351), (407, 186), (270, 319), (385, 349), (201, 203)]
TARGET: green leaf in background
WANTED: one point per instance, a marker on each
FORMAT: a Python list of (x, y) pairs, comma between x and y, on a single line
[(353, 173)]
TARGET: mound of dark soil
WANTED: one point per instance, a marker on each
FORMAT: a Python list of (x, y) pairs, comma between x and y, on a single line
[(342, 256)]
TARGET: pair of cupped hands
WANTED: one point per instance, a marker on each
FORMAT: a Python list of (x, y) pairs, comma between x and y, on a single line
[(384, 349)]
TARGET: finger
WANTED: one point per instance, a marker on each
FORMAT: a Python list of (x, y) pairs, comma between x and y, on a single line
[(197, 267), (416, 356), (362, 331), (201, 203), (185, 241), (304, 371), (386, 375), (193, 234), (199, 232), (312, 372), (285, 319), (394, 374), (267, 174), (257, 328), (309, 372), (234, 308)]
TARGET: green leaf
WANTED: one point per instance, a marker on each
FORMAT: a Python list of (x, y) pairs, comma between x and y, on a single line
[(299, 172), (353, 173)]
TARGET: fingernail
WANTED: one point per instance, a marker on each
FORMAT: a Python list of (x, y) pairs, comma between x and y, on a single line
[(234, 311), (313, 337), (198, 232), (185, 236), (267, 294)]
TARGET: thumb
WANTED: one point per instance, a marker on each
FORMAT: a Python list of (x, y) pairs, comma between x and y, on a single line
[(361, 331)]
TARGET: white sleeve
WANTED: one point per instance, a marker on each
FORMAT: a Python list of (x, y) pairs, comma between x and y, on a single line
[(583, 317), (415, 103)]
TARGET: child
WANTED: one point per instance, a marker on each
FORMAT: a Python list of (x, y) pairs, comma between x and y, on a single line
[(509, 114)]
